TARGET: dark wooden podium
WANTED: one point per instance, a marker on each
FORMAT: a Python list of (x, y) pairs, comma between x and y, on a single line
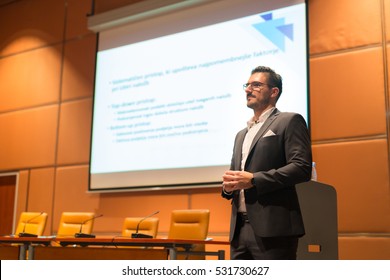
[(319, 209)]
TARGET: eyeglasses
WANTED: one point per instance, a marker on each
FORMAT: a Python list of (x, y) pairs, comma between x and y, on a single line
[(255, 85)]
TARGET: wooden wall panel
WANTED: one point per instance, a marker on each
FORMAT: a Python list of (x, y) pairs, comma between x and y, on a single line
[(388, 72), (359, 173), (336, 25), (386, 7), (75, 132), (77, 16), (30, 79), (219, 207), (364, 248), (41, 190), (30, 138), (30, 24), (71, 193), (79, 68), (347, 101)]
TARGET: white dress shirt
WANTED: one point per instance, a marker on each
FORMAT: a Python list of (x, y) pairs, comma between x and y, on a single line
[(253, 127)]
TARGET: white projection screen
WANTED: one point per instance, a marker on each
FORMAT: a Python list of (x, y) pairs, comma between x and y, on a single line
[(168, 97)]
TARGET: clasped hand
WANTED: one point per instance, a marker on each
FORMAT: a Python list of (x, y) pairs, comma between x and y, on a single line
[(236, 180)]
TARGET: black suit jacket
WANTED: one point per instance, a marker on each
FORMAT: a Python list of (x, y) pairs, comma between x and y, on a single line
[(279, 158)]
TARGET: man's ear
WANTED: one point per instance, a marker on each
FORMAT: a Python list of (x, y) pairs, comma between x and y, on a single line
[(275, 92)]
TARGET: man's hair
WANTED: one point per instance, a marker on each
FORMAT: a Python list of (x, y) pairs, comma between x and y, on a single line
[(274, 79)]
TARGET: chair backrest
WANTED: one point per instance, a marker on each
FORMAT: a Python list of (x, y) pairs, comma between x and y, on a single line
[(148, 226), (74, 222), (319, 210), (189, 224), (32, 222)]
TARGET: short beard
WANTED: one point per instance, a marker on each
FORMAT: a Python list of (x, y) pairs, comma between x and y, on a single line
[(260, 106)]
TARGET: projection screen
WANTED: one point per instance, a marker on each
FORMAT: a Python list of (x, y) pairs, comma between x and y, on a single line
[(168, 97)]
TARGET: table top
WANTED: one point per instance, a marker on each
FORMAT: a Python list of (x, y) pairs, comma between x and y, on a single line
[(109, 240)]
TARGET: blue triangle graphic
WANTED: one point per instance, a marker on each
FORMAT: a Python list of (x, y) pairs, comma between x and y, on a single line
[(267, 17), (287, 30), (270, 30)]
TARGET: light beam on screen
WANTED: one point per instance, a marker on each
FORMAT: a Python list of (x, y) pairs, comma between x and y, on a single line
[(167, 109)]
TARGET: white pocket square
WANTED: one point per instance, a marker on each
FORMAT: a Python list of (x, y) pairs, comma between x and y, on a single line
[(269, 133)]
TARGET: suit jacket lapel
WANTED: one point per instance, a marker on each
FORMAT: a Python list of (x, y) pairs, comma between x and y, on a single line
[(264, 127), (241, 137), (238, 147)]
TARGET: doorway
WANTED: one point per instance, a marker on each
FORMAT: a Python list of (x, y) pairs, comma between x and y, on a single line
[(8, 190)]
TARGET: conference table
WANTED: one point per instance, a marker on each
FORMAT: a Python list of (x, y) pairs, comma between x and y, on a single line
[(23, 243), (171, 247)]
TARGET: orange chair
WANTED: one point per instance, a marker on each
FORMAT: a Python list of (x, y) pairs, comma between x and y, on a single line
[(190, 224), (31, 224), (147, 226), (72, 223)]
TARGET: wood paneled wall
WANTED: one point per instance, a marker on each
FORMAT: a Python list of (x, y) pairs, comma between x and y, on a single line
[(349, 61), (47, 60)]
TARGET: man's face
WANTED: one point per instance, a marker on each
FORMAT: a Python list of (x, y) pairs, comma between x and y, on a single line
[(259, 92)]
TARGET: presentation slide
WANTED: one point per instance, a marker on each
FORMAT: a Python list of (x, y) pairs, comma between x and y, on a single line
[(167, 109)]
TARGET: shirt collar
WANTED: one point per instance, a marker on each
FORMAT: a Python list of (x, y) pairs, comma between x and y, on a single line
[(261, 119)]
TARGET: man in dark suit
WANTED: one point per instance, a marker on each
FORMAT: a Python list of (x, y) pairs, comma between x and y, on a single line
[(270, 157)]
